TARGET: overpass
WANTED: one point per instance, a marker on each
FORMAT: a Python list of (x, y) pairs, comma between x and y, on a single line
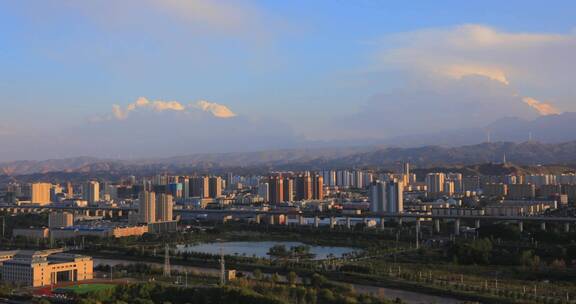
[(302, 215)]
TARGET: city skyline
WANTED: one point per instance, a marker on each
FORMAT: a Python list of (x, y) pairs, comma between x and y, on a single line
[(162, 78)]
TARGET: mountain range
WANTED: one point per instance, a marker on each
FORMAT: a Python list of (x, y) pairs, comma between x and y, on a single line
[(552, 141), (527, 153)]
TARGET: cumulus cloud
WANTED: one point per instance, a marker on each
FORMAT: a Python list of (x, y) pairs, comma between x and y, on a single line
[(518, 60), (493, 73), (542, 108), (217, 110)]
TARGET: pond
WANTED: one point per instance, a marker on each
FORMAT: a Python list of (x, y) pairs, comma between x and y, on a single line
[(260, 249)]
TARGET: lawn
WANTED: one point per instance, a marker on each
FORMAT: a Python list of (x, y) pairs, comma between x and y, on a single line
[(85, 288)]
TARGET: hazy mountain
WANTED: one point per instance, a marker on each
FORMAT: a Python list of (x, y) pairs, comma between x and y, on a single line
[(546, 129), (527, 153), (553, 143)]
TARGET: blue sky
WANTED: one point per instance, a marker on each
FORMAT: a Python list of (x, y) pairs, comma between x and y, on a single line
[(319, 70)]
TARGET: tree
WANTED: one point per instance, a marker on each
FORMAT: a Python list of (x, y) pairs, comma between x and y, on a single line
[(257, 273), (318, 280), (278, 252), (292, 277), (473, 252)]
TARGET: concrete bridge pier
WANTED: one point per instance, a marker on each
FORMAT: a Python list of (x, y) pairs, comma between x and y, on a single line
[(521, 226), (332, 222), (477, 224), (543, 226), (457, 227), (400, 221), (437, 225), (566, 227), (301, 220), (348, 223), (258, 218), (316, 222), (382, 223)]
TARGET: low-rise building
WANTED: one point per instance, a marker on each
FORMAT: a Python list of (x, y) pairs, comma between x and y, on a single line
[(43, 268), (100, 229), (32, 233)]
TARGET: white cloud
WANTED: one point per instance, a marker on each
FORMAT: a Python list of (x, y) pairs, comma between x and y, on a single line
[(215, 109), (493, 73), (543, 108), (518, 60)]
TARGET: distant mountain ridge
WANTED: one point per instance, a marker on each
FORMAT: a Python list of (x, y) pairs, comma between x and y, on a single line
[(546, 129), (526, 153)]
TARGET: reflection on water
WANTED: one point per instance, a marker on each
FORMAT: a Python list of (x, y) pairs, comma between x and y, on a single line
[(260, 249)]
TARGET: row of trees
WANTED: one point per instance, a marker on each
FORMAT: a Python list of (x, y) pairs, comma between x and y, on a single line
[(300, 252), (244, 292)]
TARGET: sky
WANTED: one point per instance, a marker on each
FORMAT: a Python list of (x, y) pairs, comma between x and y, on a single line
[(157, 78)]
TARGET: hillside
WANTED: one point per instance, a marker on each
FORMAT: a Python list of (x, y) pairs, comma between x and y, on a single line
[(522, 154)]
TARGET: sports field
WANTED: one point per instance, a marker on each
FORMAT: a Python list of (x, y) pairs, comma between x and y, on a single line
[(84, 288)]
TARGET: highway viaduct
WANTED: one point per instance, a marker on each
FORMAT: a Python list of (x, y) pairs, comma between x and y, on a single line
[(382, 218)]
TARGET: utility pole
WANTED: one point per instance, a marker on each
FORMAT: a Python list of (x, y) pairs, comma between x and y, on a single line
[(166, 261), (222, 269), (418, 234)]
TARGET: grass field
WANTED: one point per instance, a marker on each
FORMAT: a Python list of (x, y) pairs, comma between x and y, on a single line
[(84, 288)]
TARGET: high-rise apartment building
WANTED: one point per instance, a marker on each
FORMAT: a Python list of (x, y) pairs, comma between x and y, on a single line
[(304, 189), (276, 188), (60, 219), (456, 179), (449, 187), (435, 183), (495, 190), (377, 195), (69, 190), (164, 207), (387, 196), (288, 192), (264, 192), (521, 191), (199, 186), (215, 187), (91, 192), (394, 196), (147, 207), (185, 181), (470, 183), (40, 193), (318, 187)]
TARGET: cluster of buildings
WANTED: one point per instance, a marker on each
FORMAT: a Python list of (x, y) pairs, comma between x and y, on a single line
[(345, 190), (64, 225)]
